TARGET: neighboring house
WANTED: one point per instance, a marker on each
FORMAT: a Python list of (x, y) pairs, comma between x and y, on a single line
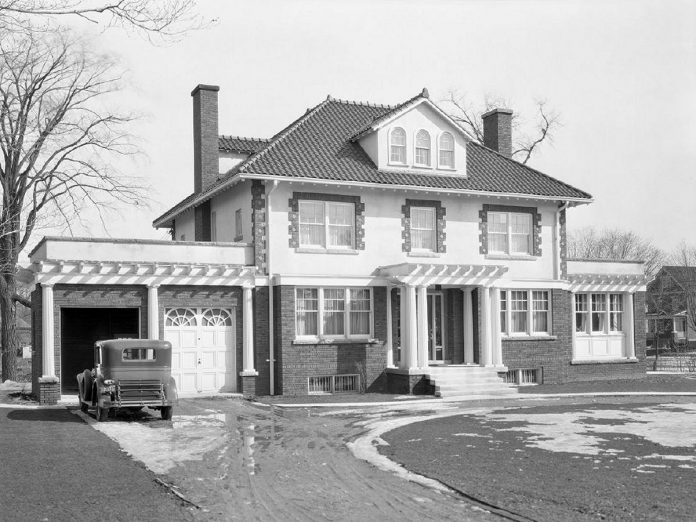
[(671, 296), (362, 247)]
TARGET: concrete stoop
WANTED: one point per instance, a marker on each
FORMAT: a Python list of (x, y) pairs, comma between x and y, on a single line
[(463, 380)]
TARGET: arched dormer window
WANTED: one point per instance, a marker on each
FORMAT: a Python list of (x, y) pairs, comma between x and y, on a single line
[(422, 148), (446, 150), (397, 146)]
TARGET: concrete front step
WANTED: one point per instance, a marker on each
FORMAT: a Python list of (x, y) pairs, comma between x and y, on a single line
[(455, 381)]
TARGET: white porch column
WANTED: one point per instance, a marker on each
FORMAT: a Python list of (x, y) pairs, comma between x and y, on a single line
[(496, 343), (388, 342), (248, 332), (403, 334), (47, 329), (486, 359), (412, 328), (152, 312), (629, 327), (422, 326), (468, 326)]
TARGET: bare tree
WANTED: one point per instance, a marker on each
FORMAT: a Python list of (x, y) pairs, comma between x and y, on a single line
[(588, 243), (57, 135), (526, 141), (163, 18), (683, 255)]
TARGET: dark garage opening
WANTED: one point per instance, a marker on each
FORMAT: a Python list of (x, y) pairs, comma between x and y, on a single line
[(80, 328)]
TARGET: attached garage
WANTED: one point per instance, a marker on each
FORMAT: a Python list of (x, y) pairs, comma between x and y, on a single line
[(80, 328), (203, 348)]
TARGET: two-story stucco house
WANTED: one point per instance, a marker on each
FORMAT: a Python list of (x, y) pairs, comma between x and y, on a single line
[(362, 247)]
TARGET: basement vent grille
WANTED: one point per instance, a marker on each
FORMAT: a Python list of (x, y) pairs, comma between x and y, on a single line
[(523, 377), (333, 384)]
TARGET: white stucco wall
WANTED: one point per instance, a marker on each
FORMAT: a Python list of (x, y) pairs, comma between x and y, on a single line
[(420, 117), (184, 226), (383, 241), (226, 204), (229, 160)]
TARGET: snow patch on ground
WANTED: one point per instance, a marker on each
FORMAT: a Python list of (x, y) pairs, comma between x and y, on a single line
[(12, 386)]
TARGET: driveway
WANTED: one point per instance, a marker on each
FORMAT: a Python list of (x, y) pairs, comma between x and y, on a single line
[(54, 467)]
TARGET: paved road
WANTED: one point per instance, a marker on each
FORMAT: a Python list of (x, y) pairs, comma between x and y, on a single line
[(53, 466)]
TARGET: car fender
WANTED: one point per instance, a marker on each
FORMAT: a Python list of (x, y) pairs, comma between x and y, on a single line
[(170, 391)]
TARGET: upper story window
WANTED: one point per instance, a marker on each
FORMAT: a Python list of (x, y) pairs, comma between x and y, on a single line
[(238, 225), (397, 146), (422, 148), (423, 229), (213, 226), (446, 151), (509, 233), (326, 224)]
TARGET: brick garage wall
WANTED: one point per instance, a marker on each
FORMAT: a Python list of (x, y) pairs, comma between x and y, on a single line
[(204, 297), (96, 296), (261, 349), (298, 362), (551, 356)]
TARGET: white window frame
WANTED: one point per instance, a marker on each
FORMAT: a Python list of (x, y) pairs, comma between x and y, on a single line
[(441, 165), (505, 299), (433, 212), (324, 244), (416, 163), (213, 226), (347, 334), (606, 329), (510, 234), (403, 147)]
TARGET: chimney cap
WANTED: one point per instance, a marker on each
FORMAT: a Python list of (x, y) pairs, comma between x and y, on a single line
[(204, 87), (496, 111)]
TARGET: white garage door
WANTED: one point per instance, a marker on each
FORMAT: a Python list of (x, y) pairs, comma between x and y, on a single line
[(203, 349)]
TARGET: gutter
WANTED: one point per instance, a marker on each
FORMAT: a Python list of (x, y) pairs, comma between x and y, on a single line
[(271, 325)]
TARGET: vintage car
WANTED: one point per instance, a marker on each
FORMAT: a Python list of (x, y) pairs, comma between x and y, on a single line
[(128, 373)]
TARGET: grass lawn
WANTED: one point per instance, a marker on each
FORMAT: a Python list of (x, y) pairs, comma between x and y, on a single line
[(594, 461)]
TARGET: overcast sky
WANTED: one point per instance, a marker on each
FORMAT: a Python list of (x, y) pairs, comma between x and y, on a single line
[(622, 74)]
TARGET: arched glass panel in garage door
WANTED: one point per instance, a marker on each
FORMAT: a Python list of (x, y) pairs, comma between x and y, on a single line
[(216, 317), (180, 317)]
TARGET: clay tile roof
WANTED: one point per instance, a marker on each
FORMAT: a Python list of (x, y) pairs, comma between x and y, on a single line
[(241, 144)]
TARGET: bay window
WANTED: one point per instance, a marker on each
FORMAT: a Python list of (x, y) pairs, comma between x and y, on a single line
[(326, 224), (333, 313), (525, 312)]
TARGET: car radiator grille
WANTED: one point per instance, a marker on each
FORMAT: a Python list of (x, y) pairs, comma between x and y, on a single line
[(140, 392)]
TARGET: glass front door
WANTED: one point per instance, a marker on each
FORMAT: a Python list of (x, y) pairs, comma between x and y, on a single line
[(436, 349)]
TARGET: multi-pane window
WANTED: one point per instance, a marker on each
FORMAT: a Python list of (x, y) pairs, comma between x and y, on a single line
[(509, 233), (581, 312), (525, 312), (333, 312), (423, 229), (213, 226), (599, 313), (397, 146), (423, 148), (326, 224), (446, 150)]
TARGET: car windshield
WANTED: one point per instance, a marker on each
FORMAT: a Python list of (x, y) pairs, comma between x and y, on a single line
[(139, 354)]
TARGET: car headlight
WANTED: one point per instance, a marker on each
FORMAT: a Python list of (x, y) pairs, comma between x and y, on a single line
[(109, 382)]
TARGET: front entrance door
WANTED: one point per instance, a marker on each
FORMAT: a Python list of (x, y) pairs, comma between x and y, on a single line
[(436, 348)]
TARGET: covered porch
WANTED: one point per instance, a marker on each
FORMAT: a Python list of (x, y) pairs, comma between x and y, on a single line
[(441, 315)]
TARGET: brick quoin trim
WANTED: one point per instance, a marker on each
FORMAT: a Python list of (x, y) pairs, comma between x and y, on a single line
[(483, 225), (563, 244), (294, 215), (258, 224), (440, 223)]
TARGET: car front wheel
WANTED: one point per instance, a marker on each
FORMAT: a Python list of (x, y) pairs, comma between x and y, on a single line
[(166, 412)]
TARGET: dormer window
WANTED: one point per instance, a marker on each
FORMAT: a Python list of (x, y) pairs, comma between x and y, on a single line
[(423, 148), (397, 146), (446, 151)]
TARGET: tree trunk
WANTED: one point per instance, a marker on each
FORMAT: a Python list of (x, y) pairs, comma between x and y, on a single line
[(8, 328)]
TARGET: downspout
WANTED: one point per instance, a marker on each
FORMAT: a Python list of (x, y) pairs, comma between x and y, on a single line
[(557, 238), (271, 324)]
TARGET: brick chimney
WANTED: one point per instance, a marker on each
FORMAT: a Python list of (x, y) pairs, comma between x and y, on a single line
[(206, 162), (497, 131)]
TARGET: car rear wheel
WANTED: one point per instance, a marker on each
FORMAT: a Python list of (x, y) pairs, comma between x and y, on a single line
[(84, 407), (102, 413), (166, 412)]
